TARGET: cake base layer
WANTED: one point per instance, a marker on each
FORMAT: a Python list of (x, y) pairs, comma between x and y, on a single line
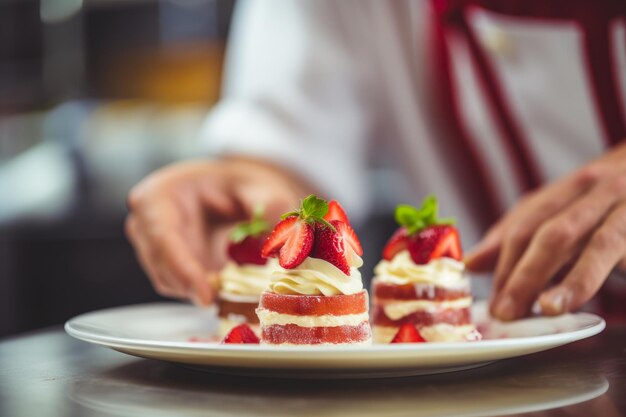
[(295, 335), (314, 319), (228, 308)]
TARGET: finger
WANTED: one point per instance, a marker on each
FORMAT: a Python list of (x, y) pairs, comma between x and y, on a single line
[(274, 203), (536, 210), (604, 250), (552, 246), (176, 258), (484, 256), (163, 285)]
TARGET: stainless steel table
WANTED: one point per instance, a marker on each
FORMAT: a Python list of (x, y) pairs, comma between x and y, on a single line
[(47, 373)]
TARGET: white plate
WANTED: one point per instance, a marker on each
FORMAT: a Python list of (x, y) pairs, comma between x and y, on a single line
[(162, 331)]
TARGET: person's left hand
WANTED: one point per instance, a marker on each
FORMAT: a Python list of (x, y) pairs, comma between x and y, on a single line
[(575, 226)]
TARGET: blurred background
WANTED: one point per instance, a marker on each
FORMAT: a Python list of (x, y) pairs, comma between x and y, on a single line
[(94, 94)]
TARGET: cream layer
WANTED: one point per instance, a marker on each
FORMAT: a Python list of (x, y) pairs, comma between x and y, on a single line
[(317, 277), (395, 309), (238, 298), (269, 318)]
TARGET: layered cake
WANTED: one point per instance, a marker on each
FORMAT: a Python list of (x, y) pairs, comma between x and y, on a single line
[(420, 280), (316, 297), (244, 277)]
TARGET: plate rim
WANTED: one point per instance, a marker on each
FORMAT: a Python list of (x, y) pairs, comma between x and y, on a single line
[(597, 324)]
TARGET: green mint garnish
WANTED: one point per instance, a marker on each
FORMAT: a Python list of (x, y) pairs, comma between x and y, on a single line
[(312, 209), (255, 227), (415, 219)]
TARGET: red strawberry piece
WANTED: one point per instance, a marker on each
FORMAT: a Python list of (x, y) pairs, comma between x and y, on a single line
[(435, 242), (349, 236), (241, 334), (297, 246), (398, 242), (278, 237), (248, 251), (330, 246), (291, 241), (336, 212), (408, 333)]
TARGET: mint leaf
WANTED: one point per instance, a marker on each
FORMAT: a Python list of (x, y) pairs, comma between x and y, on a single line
[(406, 215), (428, 211), (414, 219), (312, 209), (312, 206), (255, 227), (289, 214)]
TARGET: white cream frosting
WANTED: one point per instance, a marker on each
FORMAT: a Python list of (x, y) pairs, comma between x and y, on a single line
[(269, 318), (247, 279), (318, 277), (395, 310), (401, 270)]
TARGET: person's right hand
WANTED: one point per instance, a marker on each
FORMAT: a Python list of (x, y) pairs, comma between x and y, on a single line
[(180, 217)]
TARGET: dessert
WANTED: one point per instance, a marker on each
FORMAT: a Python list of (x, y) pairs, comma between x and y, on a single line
[(420, 281), (245, 275), (316, 297)]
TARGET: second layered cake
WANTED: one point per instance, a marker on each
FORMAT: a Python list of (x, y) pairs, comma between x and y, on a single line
[(421, 280)]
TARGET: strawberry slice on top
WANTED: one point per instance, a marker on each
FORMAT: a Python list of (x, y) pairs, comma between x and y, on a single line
[(293, 237), (246, 240), (318, 230), (424, 234), (336, 212)]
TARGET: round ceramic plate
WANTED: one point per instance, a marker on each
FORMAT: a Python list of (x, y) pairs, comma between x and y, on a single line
[(171, 332)]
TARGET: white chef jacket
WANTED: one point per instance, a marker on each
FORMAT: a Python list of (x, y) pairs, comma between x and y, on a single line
[(350, 95)]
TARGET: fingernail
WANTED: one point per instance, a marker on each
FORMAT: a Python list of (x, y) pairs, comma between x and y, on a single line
[(555, 301), (504, 308)]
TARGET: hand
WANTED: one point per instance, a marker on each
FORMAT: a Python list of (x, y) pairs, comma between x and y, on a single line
[(180, 217), (575, 226)]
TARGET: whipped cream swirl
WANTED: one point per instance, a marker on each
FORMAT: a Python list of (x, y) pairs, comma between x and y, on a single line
[(318, 277), (401, 270), (247, 279)]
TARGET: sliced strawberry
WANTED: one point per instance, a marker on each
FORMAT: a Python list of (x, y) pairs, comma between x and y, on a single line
[(241, 334), (408, 333), (248, 251), (435, 242), (291, 241), (278, 237), (298, 245), (398, 242), (336, 212), (330, 246), (349, 236)]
